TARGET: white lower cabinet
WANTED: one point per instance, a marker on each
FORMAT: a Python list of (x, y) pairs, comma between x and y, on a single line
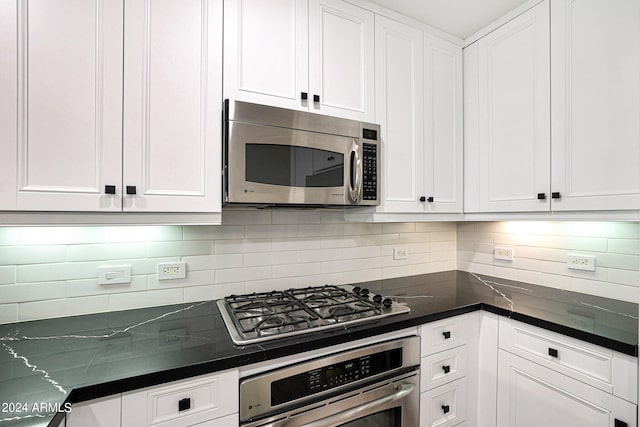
[(530, 395), (444, 406), (548, 379), (103, 412), (208, 400)]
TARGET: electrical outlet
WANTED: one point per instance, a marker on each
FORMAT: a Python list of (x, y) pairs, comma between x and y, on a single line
[(400, 253), (505, 254), (581, 262), (172, 270), (114, 275)]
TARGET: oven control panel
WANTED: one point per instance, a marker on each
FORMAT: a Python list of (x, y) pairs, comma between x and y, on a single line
[(335, 375)]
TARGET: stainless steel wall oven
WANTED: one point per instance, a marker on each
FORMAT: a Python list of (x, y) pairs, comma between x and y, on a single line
[(373, 386)]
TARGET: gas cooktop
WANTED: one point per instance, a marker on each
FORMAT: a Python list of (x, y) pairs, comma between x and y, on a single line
[(258, 317)]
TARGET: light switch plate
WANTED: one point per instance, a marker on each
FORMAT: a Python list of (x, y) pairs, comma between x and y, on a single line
[(114, 275)]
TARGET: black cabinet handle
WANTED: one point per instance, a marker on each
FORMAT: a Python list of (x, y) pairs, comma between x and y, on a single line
[(445, 409), (446, 369), (303, 96), (422, 199), (553, 352), (131, 189), (316, 98), (618, 423), (446, 335), (430, 199), (184, 404), (542, 196), (109, 189), (555, 195)]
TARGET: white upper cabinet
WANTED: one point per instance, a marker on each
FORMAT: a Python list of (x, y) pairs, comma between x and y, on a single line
[(595, 64), (69, 104), (507, 116), (8, 105), (419, 106), (311, 55), (172, 105), (92, 137), (341, 60), (266, 52), (443, 125), (400, 113)]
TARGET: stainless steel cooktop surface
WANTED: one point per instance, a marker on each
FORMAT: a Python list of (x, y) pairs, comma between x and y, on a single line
[(258, 317)]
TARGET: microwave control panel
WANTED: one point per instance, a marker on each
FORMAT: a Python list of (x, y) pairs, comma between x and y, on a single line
[(370, 171)]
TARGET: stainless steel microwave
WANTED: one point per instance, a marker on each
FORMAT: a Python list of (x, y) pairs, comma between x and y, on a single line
[(276, 156)]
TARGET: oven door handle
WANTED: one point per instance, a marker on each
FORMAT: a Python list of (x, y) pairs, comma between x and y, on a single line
[(353, 413)]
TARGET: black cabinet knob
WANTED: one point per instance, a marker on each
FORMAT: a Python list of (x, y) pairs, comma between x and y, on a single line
[(430, 199), (542, 196), (446, 335), (184, 404), (303, 96), (618, 423), (131, 189), (553, 352), (422, 199), (555, 195), (109, 189), (316, 98), (445, 409), (446, 369)]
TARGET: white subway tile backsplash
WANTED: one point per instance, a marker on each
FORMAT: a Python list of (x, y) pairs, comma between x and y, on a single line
[(262, 250), (7, 274), (104, 251), (541, 250), (31, 292), (243, 274), (165, 249), (87, 287), (15, 255), (8, 313), (213, 262), (145, 299)]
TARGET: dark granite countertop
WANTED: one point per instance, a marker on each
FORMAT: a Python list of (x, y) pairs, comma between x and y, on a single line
[(73, 359)]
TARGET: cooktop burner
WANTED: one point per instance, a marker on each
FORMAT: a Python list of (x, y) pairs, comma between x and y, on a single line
[(263, 316)]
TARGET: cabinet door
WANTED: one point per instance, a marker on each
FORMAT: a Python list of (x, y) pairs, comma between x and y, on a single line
[(172, 105), (513, 114), (400, 112), (69, 139), (443, 125), (266, 52), (8, 106), (596, 104), (103, 412), (530, 395), (341, 64)]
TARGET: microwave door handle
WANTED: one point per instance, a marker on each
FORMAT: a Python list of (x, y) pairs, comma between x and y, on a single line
[(355, 173), (354, 413)]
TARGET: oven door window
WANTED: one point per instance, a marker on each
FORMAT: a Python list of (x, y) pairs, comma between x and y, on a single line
[(293, 166), (389, 418)]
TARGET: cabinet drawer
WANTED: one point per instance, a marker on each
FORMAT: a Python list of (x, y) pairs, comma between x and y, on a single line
[(443, 335), (444, 406), (440, 368), (182, 403), (597, 366)]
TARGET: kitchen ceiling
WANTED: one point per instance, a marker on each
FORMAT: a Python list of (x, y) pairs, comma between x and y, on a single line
[(461, 18)]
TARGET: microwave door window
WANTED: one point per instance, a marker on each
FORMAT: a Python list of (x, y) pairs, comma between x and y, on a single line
[(293, 166)]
